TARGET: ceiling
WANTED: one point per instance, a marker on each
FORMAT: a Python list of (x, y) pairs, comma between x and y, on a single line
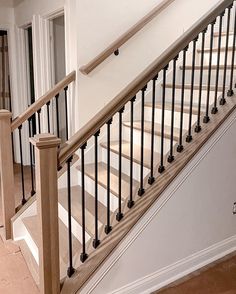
[(10, 3)]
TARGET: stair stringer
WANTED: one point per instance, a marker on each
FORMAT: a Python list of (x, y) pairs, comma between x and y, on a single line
[(127, 265)]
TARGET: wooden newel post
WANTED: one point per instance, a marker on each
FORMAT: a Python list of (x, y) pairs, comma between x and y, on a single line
[(46, 148), (6, 171)]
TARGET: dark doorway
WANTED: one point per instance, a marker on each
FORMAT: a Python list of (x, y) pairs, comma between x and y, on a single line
[(30, 61), (5, 95)]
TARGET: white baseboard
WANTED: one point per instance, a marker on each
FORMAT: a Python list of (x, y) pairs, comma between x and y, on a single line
[(171, 273)]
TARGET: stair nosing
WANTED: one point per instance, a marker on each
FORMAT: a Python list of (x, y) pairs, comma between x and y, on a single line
[(116, 194), (168, 106), (196, 87), (103, 144)]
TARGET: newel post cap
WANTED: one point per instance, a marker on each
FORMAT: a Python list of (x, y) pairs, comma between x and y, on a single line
[(44, 141), (5, 114)]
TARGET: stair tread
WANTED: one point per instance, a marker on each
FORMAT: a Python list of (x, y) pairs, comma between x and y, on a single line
[(222, 49), (32, 226), (216, 34), (76, 207), (114, 178), (205, 67), (168, 106), (196, 87), (157, 127), (136, 152)]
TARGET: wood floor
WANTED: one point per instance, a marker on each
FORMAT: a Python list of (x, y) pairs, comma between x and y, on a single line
[(18, 189), (15, 277), (217, 278)]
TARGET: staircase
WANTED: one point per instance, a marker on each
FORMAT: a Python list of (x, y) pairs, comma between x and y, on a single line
[(126, 156)]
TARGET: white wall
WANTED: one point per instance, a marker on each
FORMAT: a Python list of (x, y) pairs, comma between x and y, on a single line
[(90, 27), (190, 225), (100, 23)]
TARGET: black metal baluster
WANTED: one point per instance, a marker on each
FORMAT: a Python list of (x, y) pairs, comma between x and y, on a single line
[(48, 116), (96, 240), (230, 91), (171, 155), (141, 190), (131, 201), (206, 118), (70, 270), (83, 255), (180, 147), (151, 179), (161, 168), (66, 113), (198, 125), (119, 214), (22, 167), (31, 159), (39, 121), (189, 136), (57, 115), (222, 100), (215, 109), (108, 226)]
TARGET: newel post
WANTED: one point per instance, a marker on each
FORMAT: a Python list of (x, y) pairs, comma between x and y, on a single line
[(46, 148), (6, 172)]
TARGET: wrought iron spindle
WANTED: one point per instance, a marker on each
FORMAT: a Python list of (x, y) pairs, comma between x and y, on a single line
[(171, 155), (39, 120), (57, 115), (131, 201), (31, 158), (223, 100), (198, 125), (96, 240), (22, 167), (230, 91), (141, 190), (189, 136), (83, 255), (119, 214), (108, 226), (70, 270), (66, 112), (206, 118), (215, 109), (161, 168), (180, 147), (151, 179), (48, 116)]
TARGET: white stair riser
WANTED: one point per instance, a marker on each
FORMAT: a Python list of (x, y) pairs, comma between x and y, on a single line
[(147, 140), (223, 41), (215, 57), (75, 226), (102, 192), (125, 164), (187, 93), (168, 113), (205, 77)]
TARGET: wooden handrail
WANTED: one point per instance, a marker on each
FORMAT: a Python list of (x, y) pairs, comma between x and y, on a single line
[(82, 136), (89, 67), (43, 100)]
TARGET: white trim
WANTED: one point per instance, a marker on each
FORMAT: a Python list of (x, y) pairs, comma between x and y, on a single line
[(149, 216), (178, 270)]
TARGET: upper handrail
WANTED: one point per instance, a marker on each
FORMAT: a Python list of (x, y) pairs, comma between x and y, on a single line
[(102, 117), (90, 66), (37, 105)]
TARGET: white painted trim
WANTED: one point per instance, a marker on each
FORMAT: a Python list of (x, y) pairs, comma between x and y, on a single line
[(178, 270), (154, 210)]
